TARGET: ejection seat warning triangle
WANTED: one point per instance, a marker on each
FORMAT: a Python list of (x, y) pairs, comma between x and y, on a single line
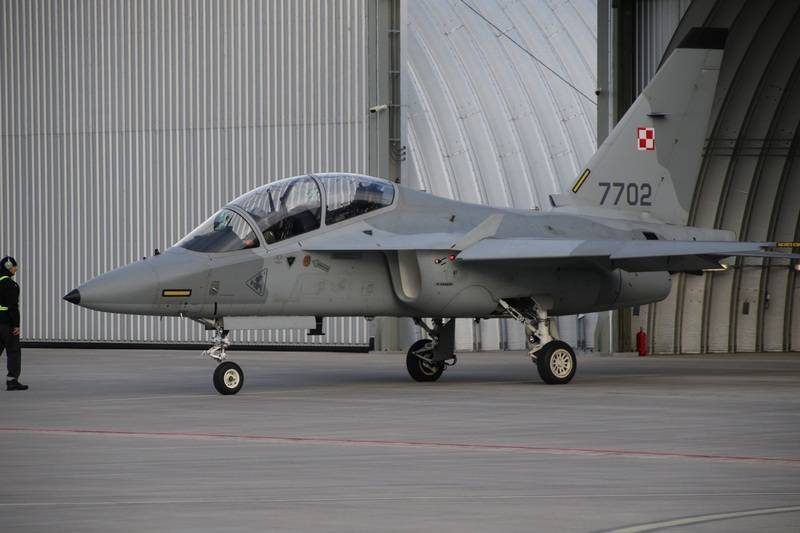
[(258, 283)]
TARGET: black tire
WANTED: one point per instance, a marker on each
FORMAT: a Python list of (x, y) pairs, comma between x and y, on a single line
[(419, 369), (556, 363), (228, 378)]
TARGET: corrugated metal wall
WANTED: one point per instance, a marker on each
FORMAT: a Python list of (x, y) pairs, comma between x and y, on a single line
[(656, 21), (124, 124)]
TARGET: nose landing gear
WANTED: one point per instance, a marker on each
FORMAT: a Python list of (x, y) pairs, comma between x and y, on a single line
[(228, 376), (221, 343)]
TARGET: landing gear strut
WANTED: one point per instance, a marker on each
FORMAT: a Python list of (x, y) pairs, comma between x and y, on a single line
[(221, 343), (555, 360), (427, 358), (228, 376)]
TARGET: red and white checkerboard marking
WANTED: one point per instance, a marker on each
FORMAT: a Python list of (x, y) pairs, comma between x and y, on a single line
[(646, 138)]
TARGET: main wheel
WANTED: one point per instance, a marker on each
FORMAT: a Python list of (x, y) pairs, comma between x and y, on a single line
[(556, 363), (228, 378), (418, 362)]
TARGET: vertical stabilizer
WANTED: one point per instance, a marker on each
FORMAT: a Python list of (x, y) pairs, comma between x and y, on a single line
[(650, 161)]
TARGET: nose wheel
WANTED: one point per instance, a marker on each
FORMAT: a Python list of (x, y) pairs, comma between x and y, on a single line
[(228, 378)]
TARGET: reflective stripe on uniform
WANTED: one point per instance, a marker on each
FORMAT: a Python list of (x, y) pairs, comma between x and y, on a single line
[(2, 308)]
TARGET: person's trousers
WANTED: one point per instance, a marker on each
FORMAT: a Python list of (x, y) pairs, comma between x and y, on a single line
[(10, 343)]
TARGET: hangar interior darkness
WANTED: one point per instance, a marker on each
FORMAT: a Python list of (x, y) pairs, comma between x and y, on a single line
[(125, 124), (749, 183)]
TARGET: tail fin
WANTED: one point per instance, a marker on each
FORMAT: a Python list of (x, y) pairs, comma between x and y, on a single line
[(650, 161)]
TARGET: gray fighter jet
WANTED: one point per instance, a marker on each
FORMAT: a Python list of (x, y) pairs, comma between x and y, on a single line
[(333, 244)]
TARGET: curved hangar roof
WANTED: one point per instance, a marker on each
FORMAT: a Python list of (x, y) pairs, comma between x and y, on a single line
[(749, 182), (486, 122)]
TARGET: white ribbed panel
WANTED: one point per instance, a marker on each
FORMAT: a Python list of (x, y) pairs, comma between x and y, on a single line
[(486, 122), (656, 21), (125, 124)]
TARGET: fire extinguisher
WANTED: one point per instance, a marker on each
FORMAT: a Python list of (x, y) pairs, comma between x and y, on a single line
[(641, 342)]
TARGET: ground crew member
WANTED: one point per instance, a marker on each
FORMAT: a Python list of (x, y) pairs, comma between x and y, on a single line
[(9, 322)]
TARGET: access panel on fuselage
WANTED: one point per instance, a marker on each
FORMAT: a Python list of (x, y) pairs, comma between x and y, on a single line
[(237, 283), (336, 284)]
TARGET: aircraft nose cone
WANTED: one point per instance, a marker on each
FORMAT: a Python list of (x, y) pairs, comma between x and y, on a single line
[(129, 289), (73, 297)]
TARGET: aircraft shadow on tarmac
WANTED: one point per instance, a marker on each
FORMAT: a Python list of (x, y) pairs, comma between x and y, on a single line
[(331, 371)]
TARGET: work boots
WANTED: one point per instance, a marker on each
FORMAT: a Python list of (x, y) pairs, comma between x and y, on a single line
[(13, 384)]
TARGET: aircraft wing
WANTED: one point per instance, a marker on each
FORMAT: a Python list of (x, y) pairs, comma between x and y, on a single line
[(365, 238), (633, 256), (362, 237)]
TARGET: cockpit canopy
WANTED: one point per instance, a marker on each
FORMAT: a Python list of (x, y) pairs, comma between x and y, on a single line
[(287, 208), (225, 231), (350, 195)]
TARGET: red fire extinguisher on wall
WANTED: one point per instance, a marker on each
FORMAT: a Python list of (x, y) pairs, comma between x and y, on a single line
[(641, 342)]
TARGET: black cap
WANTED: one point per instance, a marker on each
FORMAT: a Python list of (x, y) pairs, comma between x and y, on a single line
[(74, 297)]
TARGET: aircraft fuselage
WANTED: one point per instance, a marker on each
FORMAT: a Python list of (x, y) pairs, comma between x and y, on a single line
[(423, 280)]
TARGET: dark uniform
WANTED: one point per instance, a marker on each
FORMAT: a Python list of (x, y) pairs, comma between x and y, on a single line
[(9, 323)]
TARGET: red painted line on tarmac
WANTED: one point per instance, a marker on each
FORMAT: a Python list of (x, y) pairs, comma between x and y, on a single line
[(406, 443)]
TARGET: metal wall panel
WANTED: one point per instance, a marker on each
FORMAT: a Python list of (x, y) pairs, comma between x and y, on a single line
[(656, 21), (125, 124)]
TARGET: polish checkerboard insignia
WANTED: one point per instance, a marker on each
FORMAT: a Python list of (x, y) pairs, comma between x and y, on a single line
[(646, 138)]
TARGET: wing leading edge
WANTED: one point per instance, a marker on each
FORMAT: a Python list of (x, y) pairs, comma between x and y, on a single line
[(480, 245), (633, 256)]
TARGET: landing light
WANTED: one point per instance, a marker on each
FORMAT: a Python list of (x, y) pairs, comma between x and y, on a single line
[(722, 268)]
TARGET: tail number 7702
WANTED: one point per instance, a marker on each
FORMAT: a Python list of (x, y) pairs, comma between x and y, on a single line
[(630, 193)]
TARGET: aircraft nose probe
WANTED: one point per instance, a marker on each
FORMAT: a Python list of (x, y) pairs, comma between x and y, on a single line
[(73, 297)]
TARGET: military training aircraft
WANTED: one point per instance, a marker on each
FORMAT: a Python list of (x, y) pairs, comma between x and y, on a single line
[(335, 244)]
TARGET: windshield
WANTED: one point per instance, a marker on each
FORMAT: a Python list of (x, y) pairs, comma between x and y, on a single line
[(350, 195), (285, 208), (225, 231)]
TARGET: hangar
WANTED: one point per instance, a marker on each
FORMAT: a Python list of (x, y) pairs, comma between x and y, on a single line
[(125, 124)]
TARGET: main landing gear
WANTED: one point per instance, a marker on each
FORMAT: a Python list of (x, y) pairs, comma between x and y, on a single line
[(554, 359), (427, 358), (228, 376)]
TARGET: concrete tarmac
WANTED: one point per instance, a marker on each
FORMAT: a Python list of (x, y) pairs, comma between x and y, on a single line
[(139, 441)]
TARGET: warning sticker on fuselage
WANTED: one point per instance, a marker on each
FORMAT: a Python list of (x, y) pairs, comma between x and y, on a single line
[(258, 283)]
